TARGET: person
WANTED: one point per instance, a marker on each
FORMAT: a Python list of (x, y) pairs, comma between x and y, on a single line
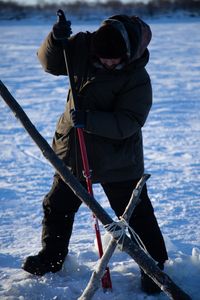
[(115, 96)]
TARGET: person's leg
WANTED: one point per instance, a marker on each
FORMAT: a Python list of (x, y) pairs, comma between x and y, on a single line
[(143, 222), (60, 206)]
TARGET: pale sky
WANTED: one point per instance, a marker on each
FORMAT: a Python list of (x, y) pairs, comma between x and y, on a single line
[(57, 1)]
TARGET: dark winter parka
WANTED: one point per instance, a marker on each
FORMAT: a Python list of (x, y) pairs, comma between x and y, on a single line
[(117, 103)]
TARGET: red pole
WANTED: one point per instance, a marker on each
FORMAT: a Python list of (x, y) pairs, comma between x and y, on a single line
[(106, 280)]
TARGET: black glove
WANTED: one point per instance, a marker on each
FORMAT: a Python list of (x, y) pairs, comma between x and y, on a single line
[(78, 118), (61, 30)]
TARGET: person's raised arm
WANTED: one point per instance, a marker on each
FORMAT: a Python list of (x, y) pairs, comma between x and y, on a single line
[(50, 53)]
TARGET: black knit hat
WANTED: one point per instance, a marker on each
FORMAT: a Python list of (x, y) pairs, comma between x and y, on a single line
[(108, 42)]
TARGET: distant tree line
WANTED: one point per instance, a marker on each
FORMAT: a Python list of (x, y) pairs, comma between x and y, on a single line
[(78, 8)]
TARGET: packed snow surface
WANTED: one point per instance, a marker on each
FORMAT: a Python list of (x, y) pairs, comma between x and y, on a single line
[(171, 147)]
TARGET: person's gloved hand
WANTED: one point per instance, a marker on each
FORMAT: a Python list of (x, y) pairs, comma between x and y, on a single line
[(78, 118), (61, 30)]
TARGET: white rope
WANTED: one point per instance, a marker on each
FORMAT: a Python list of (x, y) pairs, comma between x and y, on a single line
[(118, 230), (135, 235)]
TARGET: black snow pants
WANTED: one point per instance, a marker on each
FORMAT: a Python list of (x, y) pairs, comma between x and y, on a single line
[(61, 204)]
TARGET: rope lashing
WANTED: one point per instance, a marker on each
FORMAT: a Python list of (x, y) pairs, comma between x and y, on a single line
[(118, 229)]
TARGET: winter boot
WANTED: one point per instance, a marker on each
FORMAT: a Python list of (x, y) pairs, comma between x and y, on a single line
[(148, 285), (40, 264)]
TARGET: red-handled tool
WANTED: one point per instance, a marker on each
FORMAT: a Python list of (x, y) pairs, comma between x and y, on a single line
[(106, 280)]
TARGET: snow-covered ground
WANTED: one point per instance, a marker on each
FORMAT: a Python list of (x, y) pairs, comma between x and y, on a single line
[(171, 144)]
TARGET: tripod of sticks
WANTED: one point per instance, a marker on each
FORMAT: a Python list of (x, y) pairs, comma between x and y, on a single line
[(129, 246)]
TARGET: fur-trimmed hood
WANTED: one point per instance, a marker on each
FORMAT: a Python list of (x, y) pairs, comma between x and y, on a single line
[(136, 33)]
